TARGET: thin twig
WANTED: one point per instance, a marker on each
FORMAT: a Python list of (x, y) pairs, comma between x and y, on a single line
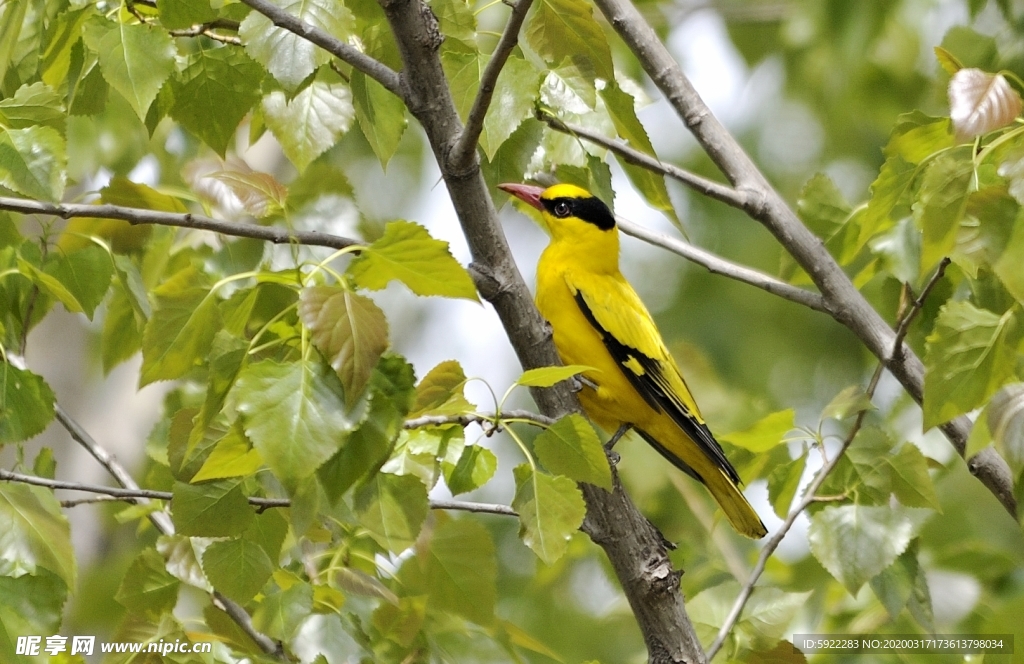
[(138, 495), (810, 494), (206, 29), (375, 69), (718, 265), (478, 418), (466, 146), (716, 190), (137, 216)]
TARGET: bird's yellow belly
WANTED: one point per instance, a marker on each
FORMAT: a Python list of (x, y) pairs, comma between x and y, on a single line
[(615, 401)]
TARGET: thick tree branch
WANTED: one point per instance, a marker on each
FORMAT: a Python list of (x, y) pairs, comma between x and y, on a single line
[(810, 493), (844, 301), (718, 265), (634, 547), (137, 216), (467, 141), (375, 69), (136, 495)]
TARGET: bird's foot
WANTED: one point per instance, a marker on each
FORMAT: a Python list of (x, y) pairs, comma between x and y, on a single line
[(618, 435), (577, 383), (613, 457)]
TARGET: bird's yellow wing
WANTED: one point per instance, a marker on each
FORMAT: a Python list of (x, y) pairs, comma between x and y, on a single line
[(614, 309)]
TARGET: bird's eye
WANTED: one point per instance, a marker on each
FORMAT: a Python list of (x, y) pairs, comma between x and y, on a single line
[(562, 209)]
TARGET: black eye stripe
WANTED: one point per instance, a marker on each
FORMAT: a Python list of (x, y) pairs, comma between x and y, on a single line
[(592, 210)]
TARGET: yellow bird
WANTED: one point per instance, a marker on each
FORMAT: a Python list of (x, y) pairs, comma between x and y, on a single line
[(598, 320)]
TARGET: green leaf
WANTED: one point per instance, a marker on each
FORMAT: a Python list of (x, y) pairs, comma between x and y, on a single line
[(181, 331), (31, 105), (182, 555), (566, 30), (232, 457), (1008, 267), (32, 162), (769, 612), (968, 357), (56, 57), (822, 207), (122, 191), (911, 482), (463, 68), (85, 274), (550, 510), (850, 401), (312, 121), (147, 587), (215, 91), (392, 508), (33, 604), (135, 59), (942, 201), (34, 533), (864, 472), (406, 252), (571, 447), (548, 376), (181, 14), (391, 390), (514, 96), (887, 191), (475, 468), (289, 57), (238, 568), (622, 109), (457, 22), (281, 612), (213, 509), (380, 114), (349, 329), (461, 569), (856, 542), (50, 285), (783, 483), (293, 414), (420, 452), (1005, 421), (26, 404), (268, 530), (903, 584), (917, 136), (766, 433), (441, 392)]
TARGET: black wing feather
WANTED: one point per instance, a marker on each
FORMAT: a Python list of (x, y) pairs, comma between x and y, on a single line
[(652, 386)]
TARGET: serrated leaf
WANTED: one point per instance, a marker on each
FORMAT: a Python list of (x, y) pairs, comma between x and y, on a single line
[(232, 457), (769, 612), (783, 483), (26, 404), (181, 14), (550, 510), (135, 59), (147, 587), (268, 530), (281, 612), (457, 21), (312, 121), (942, 201), (181, 331), (31, 105), (887, 191), (182, 555), (947, 60), (213, 509), (850, 401), (980, 102), (566, 30), (475, 468), (461, 569), (571, 447), (260, 193), (821, 206), (441, 392), (764, 434), (864, 471), (515, 93), (903, 584), (293, 414), (392, 508), (237, 567), (856, 542), (380, 114), (215, 91), (49, 285), (349, 329), (85, 274), (1008, 267), (34, 533), (33, 604), (33, 162), (911, 483), (966, 360), (289, 57), (1005, 421), (408, 253), (548, 376)]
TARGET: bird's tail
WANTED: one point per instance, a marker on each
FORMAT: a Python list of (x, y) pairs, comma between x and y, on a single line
[(739, 512)]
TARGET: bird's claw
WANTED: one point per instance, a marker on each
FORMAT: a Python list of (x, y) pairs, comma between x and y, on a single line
[(623, 429), (613, 457)]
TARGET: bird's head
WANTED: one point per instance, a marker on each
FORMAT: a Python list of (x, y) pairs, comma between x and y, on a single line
[(570, 212)]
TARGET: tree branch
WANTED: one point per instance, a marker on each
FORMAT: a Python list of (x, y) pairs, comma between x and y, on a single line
[(479, 418), (846, 304), (810, 493), (137, 216), (718, 265), (470, 136), (137, 495), (375, 69)]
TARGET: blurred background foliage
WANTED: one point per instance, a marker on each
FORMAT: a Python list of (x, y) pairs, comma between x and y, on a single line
[(808, 86)]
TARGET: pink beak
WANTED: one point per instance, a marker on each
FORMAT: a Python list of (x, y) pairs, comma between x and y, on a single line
[(524, 192)]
